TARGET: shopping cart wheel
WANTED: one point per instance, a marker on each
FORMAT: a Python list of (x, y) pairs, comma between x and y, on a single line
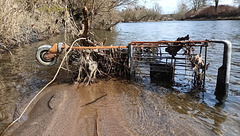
[(41, 51)]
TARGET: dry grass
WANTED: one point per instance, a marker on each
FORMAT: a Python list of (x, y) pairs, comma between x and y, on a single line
[(23, 21), (210, 12)]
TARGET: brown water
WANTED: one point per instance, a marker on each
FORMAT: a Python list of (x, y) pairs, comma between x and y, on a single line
[(112, 107), (21, 77)]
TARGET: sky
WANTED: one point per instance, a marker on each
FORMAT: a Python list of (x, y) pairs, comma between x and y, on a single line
[(170, 6)]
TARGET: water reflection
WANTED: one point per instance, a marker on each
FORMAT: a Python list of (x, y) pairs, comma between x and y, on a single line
[(101, 35)]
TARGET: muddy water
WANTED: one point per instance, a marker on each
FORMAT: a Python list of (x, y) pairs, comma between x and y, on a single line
[(106, 108), (21, 77), (150, 110)]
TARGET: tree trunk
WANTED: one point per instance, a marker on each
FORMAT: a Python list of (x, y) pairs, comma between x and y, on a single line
[(216, 5)]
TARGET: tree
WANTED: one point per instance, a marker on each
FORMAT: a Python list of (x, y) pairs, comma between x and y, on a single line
[(182, 10), (141, 13), (216, 4), (157, 8), (103, 13), (197, 4)]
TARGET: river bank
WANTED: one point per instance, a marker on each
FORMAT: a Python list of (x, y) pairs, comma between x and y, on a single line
[(112, 107), (213, 19)]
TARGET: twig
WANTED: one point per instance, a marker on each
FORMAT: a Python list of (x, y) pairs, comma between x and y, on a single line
[(93, 101), (67, 69), (41, 89)]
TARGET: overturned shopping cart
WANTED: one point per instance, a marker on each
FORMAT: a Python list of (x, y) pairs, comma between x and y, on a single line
[(157, 61)]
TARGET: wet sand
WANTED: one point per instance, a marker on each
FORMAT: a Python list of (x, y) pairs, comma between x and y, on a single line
[(106, 108)]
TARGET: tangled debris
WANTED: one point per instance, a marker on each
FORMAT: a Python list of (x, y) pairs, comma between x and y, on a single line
[(89, 64), (175, 47)]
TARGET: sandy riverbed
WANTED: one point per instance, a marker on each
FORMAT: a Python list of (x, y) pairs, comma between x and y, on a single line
[(106, 108)]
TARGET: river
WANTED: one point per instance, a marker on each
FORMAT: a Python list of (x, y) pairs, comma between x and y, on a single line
[(21, 76)]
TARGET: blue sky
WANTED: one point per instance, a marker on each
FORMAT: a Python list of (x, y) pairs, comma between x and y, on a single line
[(170, 6)]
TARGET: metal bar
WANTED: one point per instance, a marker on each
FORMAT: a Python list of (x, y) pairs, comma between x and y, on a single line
[(201, 50), (183, 65), (162, 58), (165, 42), (184, 69), (99, 47), (223, 76), (155, 46), (177, 74), (140, 46), (174, 69), (205, 62), (154, 53), (131, 61)]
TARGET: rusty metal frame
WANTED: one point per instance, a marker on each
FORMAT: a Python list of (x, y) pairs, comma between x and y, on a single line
[(156, 44), (54, 52)]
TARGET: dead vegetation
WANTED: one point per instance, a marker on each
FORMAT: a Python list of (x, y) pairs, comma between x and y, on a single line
[(141, 14), (28, 21), (210, 12)]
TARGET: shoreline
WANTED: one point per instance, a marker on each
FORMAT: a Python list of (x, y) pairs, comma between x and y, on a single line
[(213, 19)]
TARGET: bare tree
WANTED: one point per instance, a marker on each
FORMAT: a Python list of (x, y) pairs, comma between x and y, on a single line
[(103, 13), (157, 8), (108, 5), (216, 4), (197, 4), (182, 10), (141, 13)]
